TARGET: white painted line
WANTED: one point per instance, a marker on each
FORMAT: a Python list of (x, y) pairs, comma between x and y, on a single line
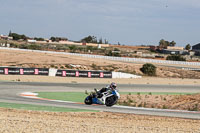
[(35, 96), (29, 93), (155, 109)]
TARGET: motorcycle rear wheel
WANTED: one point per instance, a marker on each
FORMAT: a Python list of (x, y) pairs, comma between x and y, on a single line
[(88, 100)]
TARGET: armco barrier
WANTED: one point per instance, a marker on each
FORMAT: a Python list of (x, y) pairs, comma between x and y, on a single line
[(23, 71), (88, 74), (54, 72)]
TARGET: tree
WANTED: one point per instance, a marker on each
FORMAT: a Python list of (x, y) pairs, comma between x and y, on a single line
[(106, 41), (89, 39), (164, 43), (167, 43), (57, 39), (149, 69), (53, 39), (10, 33), (172, 43), (23, 37), (38, 39), (17, 36), (188, 47), (100, 41)]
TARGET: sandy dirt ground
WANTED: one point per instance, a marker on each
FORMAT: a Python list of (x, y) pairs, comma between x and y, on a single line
[(179, 102), (60, 61), (20, 121)]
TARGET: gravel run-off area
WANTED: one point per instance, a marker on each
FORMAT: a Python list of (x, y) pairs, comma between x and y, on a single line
[(20, 121)]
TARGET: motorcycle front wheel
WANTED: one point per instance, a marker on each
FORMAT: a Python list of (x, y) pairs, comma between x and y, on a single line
[(110, 101)]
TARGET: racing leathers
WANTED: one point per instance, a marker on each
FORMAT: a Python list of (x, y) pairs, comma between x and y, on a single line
[(104, 89)]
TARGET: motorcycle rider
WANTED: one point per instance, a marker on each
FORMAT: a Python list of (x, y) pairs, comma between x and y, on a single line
[(111, 87)]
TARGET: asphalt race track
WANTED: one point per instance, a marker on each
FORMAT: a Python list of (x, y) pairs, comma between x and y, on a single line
[(10, 91)]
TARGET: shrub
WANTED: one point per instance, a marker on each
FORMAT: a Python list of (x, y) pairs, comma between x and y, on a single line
[(148, 69), (144, 104), (68, 66), (125, 103), (94, 66), (30, 46), (34, 47), (80, 48), (140, 105), (73, 48), (14, 45), (194, 108), (116, 49), (130, 101), (23, 46), (112, 53), (91, 48), (175, 58), (164, 107)]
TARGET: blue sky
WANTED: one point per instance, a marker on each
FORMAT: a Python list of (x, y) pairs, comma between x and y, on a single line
[(130, 22)]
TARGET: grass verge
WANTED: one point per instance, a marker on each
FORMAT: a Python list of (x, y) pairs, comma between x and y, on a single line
[(41, 108), (80, 96), (65, 96)]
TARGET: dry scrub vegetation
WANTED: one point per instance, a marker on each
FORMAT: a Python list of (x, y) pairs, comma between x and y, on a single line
[(20, 121), (180, 102), (44, 60)]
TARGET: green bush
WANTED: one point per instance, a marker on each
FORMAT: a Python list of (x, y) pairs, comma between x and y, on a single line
[(91, 48), (30, 46), (73, 48), (23, 46), (164, 107), (94, 66), (111, 53), (175, 58), (13, 45), (149, 69), (34, 47)]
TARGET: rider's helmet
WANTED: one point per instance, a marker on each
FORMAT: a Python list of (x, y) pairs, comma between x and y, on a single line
[(113, 85)]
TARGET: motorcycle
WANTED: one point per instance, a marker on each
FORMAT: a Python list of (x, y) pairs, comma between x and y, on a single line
[(108, 98)]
